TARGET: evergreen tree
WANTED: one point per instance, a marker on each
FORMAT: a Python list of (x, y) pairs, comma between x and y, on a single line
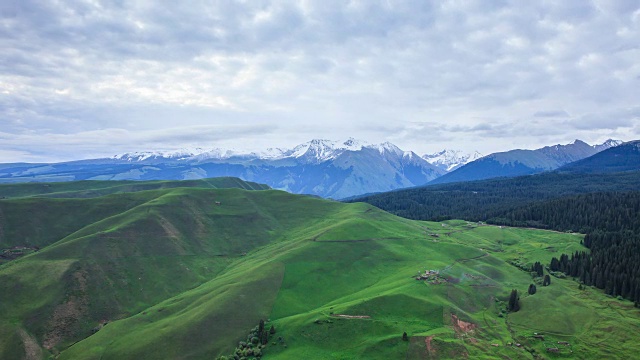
[(532, 289), (514, 301), (537, 268), (546, 281), (405, 337)]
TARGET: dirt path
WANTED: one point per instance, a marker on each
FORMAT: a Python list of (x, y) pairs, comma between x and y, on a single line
[(351, 316)]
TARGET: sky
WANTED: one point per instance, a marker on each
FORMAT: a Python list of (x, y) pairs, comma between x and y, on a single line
[(87, 78)]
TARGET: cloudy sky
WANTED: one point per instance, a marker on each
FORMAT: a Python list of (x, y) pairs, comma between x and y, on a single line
[(89, 78)]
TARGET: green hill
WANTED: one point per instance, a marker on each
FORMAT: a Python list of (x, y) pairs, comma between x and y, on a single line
[(95, 188), (188, 272)]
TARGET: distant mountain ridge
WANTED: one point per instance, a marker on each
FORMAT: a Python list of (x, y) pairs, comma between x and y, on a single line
[(620, 158), (524, 162), (311, 152), (326, 168)]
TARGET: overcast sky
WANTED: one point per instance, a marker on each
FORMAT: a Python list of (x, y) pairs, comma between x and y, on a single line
[(84, 79)]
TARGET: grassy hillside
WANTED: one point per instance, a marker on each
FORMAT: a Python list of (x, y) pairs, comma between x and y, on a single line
[(169, 273), (96, 188)]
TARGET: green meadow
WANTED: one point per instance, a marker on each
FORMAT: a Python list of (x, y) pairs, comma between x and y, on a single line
[(162, 271)]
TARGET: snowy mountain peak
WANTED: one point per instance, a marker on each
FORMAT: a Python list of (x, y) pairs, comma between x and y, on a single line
[(449, 160), (389, 148), (609, 143), (314, 151), (319, 150), (354, 144), (147, 155)]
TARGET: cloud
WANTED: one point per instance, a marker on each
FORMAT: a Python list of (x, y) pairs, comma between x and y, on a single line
[(104, 142), (333, 69), (551, 114)]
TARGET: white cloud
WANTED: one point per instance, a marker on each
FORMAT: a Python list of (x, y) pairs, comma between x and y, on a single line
[(315, 68)]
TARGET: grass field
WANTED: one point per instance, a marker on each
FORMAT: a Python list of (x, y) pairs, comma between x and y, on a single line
[(185, 272)]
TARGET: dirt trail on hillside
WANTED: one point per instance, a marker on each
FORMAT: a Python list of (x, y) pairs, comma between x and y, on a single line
[(352, 316)]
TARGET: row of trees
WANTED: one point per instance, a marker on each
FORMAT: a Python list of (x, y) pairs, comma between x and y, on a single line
[(496, 199)]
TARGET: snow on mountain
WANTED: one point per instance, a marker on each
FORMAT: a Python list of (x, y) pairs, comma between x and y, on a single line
[(320, 150), (449, 160), (607, 144), (388, 148), (270, 154), (147, 155), (314, 151)]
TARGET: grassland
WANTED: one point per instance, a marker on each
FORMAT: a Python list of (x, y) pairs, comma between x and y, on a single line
[(185, 272)]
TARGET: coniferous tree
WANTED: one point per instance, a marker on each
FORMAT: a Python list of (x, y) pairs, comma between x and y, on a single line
[(514, 301), (532, 289), (546, 281)]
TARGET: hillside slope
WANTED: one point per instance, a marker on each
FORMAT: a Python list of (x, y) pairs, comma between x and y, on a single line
[(187, 272), (96, 188)]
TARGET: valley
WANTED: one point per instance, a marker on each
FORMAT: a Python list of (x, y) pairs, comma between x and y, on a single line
[(158, 271)]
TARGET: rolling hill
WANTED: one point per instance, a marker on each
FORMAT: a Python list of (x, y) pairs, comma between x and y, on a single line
[(187, 272)]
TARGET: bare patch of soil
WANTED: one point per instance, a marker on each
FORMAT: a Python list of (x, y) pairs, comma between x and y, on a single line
[(430, 348), (66, 315), (462, 327), (31, 347)]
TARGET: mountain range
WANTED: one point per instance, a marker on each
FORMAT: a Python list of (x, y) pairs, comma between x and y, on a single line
[(319, 167), (326, 168), (524, 162)]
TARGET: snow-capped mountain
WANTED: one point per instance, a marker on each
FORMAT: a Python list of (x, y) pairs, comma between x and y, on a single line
[(327, 168), (333, 169), (313, 152), (524, 162), (607, 145), (450, 160)]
